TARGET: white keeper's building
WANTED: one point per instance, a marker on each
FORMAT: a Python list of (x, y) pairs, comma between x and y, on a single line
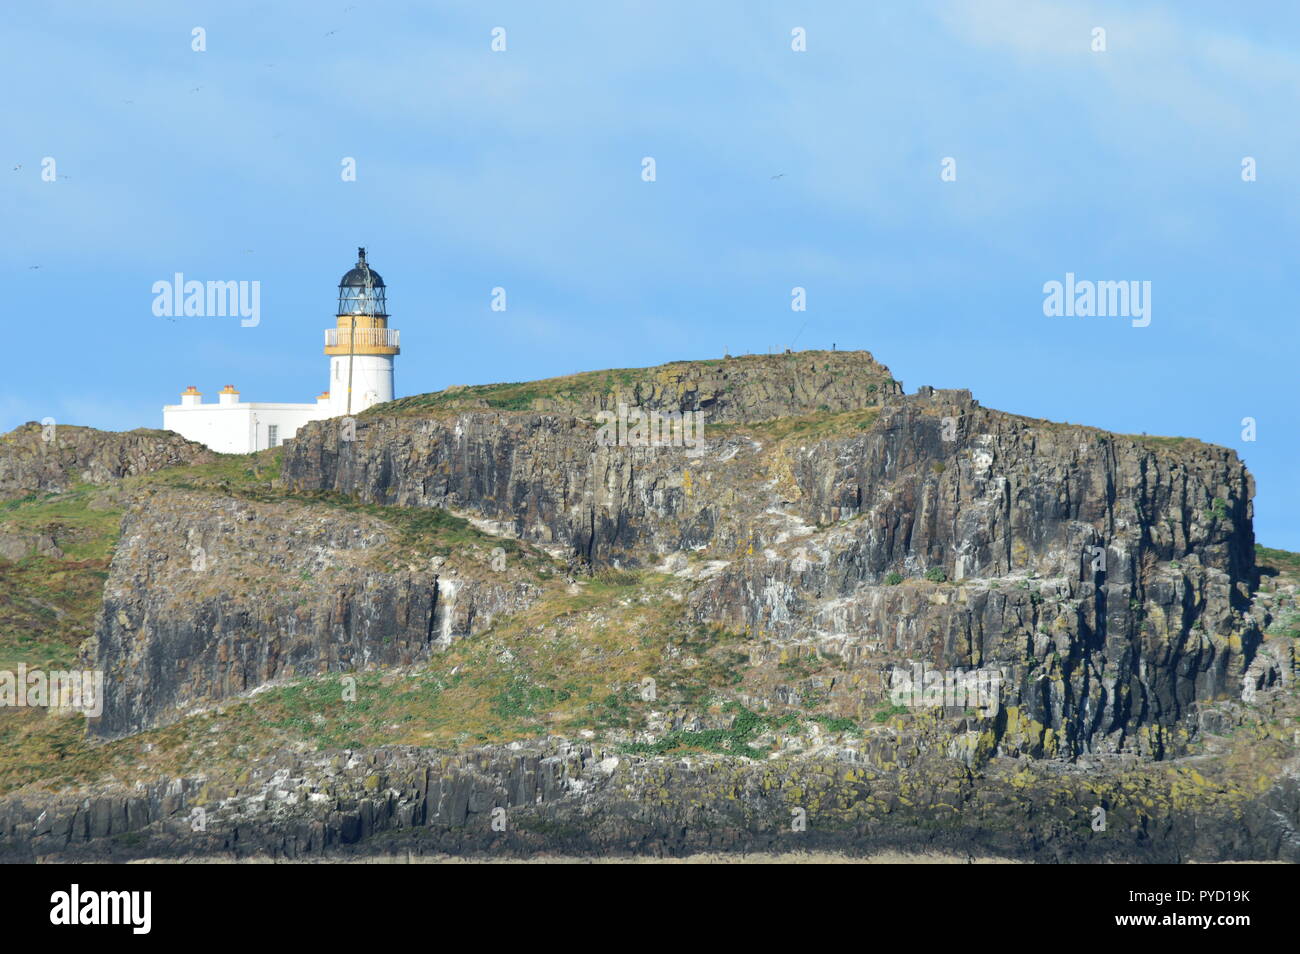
[(361, 348)]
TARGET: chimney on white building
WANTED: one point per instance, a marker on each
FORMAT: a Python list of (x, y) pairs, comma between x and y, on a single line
[(228, 395), (191, 397)]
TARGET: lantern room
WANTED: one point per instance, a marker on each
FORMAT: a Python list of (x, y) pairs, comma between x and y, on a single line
[(361, 292)]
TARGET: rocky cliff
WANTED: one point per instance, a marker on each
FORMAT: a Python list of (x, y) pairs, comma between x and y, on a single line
[(1105, 577), (51, 459), (671, 645), (212, 596), (565, 798)]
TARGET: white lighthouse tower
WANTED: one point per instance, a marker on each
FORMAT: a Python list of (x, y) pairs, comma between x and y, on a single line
[(361, 348)]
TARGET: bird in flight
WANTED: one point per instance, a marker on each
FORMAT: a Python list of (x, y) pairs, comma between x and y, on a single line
[(779, 175)]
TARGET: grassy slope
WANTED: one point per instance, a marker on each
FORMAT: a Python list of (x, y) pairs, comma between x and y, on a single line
[(581, 391), (574, 662), (1280, 565), (47, 605)]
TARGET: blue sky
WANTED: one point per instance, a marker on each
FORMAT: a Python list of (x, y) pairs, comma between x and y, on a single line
[(522, 169)]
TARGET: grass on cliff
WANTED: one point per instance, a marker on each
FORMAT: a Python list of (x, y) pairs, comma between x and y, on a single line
[(808, 427), (1156, 442), (256, 477), (571, 662), (1159, 442), (1282, 566), (431, 530), (83, 520), (236, 474), (581, 392), (732, 740), (574, 663), (47, 604), (47, 609), (578, 390)]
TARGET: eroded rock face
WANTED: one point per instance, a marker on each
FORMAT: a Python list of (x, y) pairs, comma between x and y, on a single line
[(1005, 494), (1105, 577), (560, 798), (211, 596), (38, 459), (1106, 580)]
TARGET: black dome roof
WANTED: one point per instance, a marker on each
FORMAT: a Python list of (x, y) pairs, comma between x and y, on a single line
[(356, 276)]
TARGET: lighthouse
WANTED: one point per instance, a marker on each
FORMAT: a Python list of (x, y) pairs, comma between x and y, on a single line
[(360, 347)]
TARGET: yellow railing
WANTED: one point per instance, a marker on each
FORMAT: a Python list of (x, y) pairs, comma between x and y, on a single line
[(362, 338)]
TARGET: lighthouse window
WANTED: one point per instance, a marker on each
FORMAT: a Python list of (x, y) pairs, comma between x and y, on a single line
[(355, 300), (272, 435)]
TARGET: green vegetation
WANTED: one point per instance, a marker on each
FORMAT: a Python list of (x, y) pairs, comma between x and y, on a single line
[(48, 604), (256, 477), (1218, 510), (1281, 564), (809, 427), (936, 574), (893, 579), (600, 660), (1161, 443), (243, 475), (1288, 624), (47, 609), (832, 724), (83, 521), (430, 529), (745, 726), (569, 663), (579, 389), (584, 392), (888, 712)]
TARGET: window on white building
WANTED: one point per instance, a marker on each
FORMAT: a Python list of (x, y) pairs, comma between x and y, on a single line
[(272, 435)]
